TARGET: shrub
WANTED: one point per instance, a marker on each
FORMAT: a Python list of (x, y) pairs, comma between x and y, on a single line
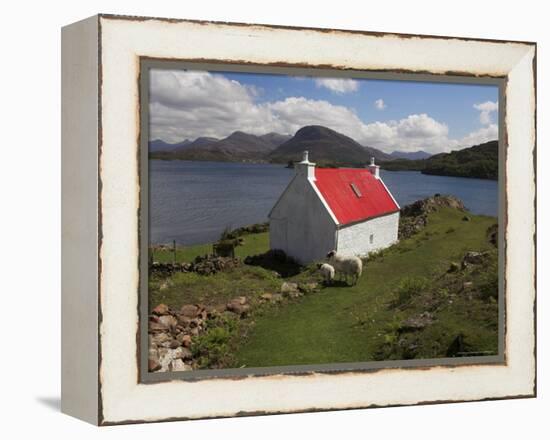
[(410, 287), (488, 287), (212, 348)]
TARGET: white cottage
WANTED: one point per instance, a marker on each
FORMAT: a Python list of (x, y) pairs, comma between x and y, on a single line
[(346, 209)]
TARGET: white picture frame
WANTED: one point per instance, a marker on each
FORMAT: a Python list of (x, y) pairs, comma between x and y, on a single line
[(101, 59)]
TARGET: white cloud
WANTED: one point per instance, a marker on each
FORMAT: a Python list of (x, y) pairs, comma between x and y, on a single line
[(338, 85), (192, 104), (380, 104), (484, 134), (486, 109)]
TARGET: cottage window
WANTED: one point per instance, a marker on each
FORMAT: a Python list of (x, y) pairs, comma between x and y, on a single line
[(371, 238), (356, 190)]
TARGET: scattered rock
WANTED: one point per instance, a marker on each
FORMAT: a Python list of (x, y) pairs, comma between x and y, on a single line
[(466, 285), (161, 338), (472, 258), (184, 321), (153, 354), (307, 287), (179, 365), (189, 311), (267, 296), (174, 343), (161, 309), (415, 323), (182, 353), (287, 288), (157, 327), (184, 339), (154, 365), (466, 218), (295, 295), (168, 321), (238, 307)]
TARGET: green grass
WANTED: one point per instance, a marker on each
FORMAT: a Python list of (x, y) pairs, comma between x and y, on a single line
[(350, 324), (192, 288), (253, 244)]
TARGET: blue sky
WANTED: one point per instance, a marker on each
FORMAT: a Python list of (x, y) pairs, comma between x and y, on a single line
[(390, 115)]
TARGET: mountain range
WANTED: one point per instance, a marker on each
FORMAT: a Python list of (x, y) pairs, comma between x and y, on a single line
[(326, 147), (411, 155)]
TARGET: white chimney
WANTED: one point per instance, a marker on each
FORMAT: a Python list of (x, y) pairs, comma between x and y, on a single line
[(374, 169), (305, 167)]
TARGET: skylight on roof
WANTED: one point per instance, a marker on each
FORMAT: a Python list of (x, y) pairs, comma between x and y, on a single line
[(356, 190)]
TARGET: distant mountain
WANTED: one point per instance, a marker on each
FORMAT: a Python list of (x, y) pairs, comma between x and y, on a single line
[(326, 147), (160, 145), (479, 161), (411, 155), (275, 139), (236, 147)]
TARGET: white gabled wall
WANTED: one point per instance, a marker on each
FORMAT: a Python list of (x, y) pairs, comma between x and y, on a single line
[(355, 239), (300, 225)]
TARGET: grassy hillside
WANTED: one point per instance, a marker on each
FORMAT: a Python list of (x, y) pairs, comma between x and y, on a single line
[(414, 300), (363, 322), (480, 161)]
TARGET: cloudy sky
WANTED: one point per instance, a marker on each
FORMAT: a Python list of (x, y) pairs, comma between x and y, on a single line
[(389, 115)]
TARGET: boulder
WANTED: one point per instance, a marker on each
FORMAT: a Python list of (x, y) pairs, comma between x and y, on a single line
[(472, 258), (174, 343), (294, 295), (287, 288), (185, 340), (157, 327), (415, 323), (189, 311), (153, 354), (154, 365), (266, 297), (168, 321), (182, 353), (237, 307), (161, 309), (161, 338), (184, 321), (307, 287), (179, 365)]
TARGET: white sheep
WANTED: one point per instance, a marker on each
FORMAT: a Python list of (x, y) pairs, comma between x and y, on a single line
[(328, 272), (346, 265)]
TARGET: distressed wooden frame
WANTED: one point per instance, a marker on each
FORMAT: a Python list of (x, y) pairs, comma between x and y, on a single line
[(101, 61)]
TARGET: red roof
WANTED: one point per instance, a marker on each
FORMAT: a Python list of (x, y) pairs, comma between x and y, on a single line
[(354, 194)]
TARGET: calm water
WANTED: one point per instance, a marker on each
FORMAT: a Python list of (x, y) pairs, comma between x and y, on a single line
[(193, 202)]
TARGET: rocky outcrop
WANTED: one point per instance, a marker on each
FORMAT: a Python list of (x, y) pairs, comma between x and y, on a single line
[(414, 217)]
